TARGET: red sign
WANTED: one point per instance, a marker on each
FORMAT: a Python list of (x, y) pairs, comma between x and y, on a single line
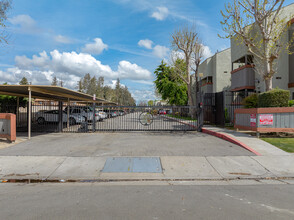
[(253, 120), (266, 119)]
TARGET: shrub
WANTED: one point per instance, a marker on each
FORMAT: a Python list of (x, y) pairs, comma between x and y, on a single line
[(274, 98), (291, 103), (227, 117), (251, 101)]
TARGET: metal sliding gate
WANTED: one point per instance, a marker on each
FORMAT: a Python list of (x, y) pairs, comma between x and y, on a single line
[(81, 118), (144, 118)]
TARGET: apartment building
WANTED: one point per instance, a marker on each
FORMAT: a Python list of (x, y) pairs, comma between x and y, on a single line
[(216, 72), (243, 75)]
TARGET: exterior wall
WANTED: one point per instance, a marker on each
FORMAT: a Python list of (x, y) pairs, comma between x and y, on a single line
[(291, 58), (222, 77), (218, 66), (285, 63)]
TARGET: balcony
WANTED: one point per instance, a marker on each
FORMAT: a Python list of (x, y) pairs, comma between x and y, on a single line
[(243, 78), (243, 75)]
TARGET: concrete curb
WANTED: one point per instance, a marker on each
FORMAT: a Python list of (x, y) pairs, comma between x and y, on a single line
[(230, 139), (220, 135)]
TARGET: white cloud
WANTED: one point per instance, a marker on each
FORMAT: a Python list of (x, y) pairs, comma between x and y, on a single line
[(206, 52), (127, 70), (143, 95), (62, 39), (160, 51), (95, 48), (112, 84), (160, 14), (26, 23), (68, 67), (146, 43)]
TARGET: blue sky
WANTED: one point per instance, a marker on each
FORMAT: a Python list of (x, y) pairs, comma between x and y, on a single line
[(110, 38)]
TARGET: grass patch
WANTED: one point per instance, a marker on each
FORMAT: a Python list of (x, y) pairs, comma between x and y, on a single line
[(286, 144), (181, 117)]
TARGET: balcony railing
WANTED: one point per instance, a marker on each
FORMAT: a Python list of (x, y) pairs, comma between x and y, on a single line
[(243, 78)]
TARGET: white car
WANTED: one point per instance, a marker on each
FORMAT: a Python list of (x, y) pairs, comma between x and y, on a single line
[(84, 111), (102, 114), (52, 116)]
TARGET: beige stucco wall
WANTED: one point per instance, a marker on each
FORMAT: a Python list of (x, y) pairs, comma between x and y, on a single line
[(219, 67), (222, 78)]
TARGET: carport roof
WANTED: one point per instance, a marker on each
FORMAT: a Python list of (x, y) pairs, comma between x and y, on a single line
[(49, 93)]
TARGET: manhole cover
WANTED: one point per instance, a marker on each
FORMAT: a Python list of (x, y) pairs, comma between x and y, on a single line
[(132, 165)]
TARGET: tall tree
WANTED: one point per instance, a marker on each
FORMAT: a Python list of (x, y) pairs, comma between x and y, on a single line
[(54, 81), (169, 85), (259, 25), (5, 5), (185, 40), (24, 81)]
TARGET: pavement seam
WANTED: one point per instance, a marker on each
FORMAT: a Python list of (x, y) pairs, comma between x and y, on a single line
[(214, 168), (263, 166), (56, 168)]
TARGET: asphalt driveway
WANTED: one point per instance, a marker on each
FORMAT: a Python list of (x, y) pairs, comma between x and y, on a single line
[(125, 144)]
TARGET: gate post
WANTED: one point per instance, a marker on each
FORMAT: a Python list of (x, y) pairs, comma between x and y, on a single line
[(60, 116), (94, 117)]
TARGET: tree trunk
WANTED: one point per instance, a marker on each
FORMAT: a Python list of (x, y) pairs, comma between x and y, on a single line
[(269, 76), (268, 84), (192, 110)]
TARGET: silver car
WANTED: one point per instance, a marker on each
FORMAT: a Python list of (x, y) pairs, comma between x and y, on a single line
[(52, 116)]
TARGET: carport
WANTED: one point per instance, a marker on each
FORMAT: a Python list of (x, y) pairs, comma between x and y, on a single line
[(54, 93)]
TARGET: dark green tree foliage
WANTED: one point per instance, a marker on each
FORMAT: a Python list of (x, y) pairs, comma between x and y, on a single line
[(169, 85), (23, 81), (54, 81)]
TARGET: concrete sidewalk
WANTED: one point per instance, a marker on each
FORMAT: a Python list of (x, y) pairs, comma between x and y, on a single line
[(252, 143), (174, 168)]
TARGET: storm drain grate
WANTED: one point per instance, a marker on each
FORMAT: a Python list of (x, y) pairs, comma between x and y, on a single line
[(132, 165)]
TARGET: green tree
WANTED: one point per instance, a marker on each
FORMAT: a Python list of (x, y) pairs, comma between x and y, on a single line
[(169, 85), (23, 81), (150, 103)]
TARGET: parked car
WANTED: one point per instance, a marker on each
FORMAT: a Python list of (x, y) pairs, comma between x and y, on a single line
[(112, 113), (85, 111), (102, 114), (162, 112), (52, 116), (121, 112)]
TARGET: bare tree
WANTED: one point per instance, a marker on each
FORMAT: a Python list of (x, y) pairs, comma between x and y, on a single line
[(260, 25), (186, 43), (5, 5)]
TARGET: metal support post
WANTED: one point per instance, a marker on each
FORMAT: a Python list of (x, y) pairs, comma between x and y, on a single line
[(94, 117), (68, 106), (30, 113), (60, 116)]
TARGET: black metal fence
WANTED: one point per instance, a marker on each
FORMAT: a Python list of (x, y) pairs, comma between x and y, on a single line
[(47, 116), (218, 108)]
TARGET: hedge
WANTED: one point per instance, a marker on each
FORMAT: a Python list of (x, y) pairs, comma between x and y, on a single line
[(251, 101), (274, 98)]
